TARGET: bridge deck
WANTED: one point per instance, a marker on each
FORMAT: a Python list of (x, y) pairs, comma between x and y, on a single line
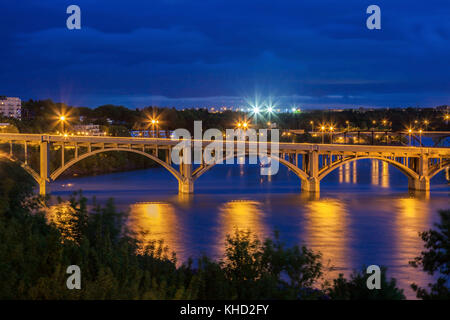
[(285, 146)]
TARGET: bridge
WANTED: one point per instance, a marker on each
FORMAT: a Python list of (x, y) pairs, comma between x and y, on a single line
[(370, 135), (310, 162)]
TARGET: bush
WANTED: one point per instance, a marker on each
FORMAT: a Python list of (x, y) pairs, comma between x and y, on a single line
[(436, 260)]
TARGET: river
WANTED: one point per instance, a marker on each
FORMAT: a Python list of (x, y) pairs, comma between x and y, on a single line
[(364, 215)]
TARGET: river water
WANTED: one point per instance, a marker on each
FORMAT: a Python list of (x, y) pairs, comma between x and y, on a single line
[(364, 214)]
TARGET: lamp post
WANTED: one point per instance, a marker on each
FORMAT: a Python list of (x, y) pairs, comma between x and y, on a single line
[(322, 129), (409, 133), (62, 119), (312, 125), (420, 138), (348, 130), (331, 134)]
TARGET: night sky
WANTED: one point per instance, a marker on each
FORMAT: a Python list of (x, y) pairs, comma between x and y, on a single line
[(201, 53)]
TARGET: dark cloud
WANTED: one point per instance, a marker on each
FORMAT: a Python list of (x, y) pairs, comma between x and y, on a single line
[(187, 53)]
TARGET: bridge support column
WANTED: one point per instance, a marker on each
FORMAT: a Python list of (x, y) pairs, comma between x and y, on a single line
[(312, 185), (421, 184), (313, 182), (186, 186), (43, 172)]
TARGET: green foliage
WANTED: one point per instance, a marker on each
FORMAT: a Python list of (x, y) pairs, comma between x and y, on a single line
[(436, 260), (356, 288), (268, 270)]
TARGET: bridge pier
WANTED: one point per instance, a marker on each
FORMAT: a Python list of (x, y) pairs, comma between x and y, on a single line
[(186, 186), (42, 187), (44, 153), (312, 185), (421, 184)]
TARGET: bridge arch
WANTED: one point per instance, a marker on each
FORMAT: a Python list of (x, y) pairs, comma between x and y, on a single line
[(201, 170), (439, 168), (404, 169), (70, 163)]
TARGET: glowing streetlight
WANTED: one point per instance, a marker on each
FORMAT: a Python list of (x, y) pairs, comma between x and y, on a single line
[(410, 132), (63, 120), (331, 134), (312, 125), (322, 128), (245, 124), (420, 137)]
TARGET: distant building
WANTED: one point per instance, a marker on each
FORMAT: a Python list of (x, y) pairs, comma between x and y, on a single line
[(88, 129), (152, 133), (10, 107)]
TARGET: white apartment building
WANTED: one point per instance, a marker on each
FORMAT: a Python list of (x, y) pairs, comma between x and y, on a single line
[(10, 107)]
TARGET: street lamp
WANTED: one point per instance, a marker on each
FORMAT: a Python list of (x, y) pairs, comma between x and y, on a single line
[(410, 132), (420, 137), (154, 125), (312, 125), (322, 128), (331, 134), (62, 119)]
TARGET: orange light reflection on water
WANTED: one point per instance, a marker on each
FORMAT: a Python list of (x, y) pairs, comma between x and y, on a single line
[(327, 231), (242, 215), (152, 221)]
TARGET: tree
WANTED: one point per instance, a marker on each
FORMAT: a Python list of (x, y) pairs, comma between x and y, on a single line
[(436, 260), (356, 288)]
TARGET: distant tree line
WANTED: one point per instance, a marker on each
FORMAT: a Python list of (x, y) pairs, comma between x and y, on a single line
[(39, 116)]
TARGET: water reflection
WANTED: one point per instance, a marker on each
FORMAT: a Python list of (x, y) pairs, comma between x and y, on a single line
[(385, 175), (327, 231), (347, 175), (152, 221), (241, 215), (375, 172), (411, 216), (64, 217), (347, 172)]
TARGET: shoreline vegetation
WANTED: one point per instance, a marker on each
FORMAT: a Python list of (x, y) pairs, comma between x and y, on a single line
[(38, 243)]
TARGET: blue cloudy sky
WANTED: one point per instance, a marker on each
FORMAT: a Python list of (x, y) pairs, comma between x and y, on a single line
[(207, 52)]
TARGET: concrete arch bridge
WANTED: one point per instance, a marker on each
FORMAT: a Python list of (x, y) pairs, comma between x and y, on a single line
[(310, 162)]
